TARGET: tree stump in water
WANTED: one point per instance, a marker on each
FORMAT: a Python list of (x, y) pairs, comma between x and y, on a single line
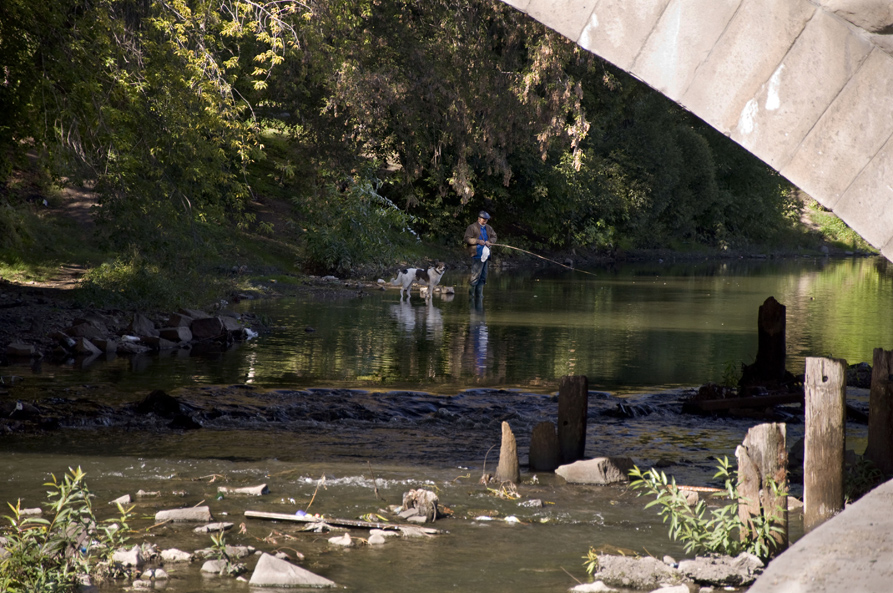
[(823, 451), (769, 366), (573, 406), (544, 454), (880, 412), (508, 469), (762, 471)]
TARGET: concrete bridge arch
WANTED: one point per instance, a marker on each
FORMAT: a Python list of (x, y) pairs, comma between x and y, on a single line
[(805, 85)]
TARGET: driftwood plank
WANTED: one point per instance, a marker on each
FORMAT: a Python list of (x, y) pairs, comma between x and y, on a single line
[(334, 521)]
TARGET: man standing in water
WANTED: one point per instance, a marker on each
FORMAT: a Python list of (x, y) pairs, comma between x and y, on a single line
[(479, 236)]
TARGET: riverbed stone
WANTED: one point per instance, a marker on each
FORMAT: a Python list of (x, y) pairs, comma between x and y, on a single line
[(595, 587), (179, 320), (341, 540), (195, 514), (175, 555), (258, 490), (122, 500), (601, 470), (176, 334), (131, 557), (213, 527), (635, 573), (231, 551), (376, 539), (21, 349), (142, 326), (87, 329), (160, 403), (743, 569), (206, 329), (214, 566), (273, 572)]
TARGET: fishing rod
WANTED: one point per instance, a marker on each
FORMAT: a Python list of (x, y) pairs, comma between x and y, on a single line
[(541, 257)]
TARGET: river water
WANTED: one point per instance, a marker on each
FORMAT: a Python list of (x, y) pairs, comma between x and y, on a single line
[(374, 394)]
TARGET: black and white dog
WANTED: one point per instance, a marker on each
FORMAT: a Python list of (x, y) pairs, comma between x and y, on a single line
[(430, 278)]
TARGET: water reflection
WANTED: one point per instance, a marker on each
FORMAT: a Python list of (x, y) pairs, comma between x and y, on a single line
[(478, 338), (634, 328), (427, 316)]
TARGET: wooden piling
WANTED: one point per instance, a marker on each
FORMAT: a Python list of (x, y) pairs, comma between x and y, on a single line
[(544, 453), (880, 412), (762, 472), (508, 469), (769, 367), (573, 406), (824, 441)]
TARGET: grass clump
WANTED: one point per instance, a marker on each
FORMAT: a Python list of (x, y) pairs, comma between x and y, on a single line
[(56, 553), (835, 231)]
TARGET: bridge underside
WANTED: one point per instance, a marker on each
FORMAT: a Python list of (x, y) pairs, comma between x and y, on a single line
[(805, 85)]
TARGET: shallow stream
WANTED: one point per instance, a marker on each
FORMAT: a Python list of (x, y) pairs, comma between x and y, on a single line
[(414, 394)]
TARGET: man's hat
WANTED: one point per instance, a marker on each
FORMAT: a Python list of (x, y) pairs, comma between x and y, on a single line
[(483, 215)]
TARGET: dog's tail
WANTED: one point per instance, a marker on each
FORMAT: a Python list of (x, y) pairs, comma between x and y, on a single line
[(395, 281)]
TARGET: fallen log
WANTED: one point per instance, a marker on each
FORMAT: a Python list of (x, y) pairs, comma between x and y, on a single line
[(334, 521)]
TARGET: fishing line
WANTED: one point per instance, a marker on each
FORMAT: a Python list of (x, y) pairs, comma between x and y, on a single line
[(543, 258)]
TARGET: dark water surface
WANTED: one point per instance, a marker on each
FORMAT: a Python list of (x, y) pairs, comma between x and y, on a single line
[(415, 393)]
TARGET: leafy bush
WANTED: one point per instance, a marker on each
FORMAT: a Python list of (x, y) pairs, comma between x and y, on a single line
[(54, 553), (721, 531), (354, 225)]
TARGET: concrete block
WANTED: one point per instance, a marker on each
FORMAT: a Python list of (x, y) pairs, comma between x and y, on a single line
[(868, 203), (821, 62), (617, 29), (849, 134), (675, 48), (519, 4), (567, 17), (746, 55)]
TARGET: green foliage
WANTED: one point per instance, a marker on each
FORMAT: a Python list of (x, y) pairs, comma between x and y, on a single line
[(591, 561), (731, 374), (183, 112), (721, 530), (352, 224), (50, 554), (834, 230), (218, 544), (861, 477), (134, 281)]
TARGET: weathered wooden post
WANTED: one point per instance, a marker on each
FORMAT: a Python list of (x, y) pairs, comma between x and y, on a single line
[(544, 453), (769, 367), (824, 441), (508, 469), (880, 412), (573, 405), (762, 472)]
